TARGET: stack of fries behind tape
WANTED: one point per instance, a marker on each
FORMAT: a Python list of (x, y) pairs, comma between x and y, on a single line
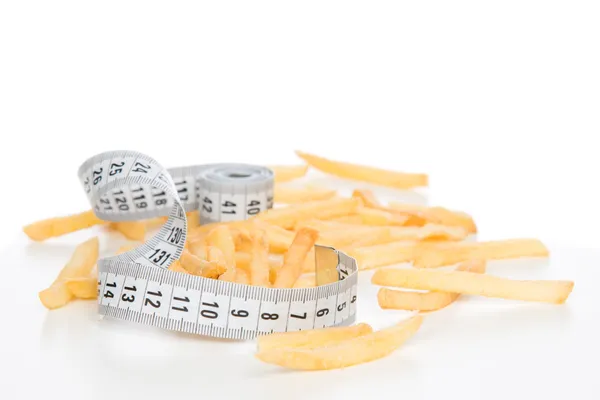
[(275, 249)]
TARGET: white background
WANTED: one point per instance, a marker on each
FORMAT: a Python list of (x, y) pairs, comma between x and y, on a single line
[(498, 101)]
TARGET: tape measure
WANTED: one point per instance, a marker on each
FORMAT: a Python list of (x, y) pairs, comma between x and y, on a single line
[(137, 286)]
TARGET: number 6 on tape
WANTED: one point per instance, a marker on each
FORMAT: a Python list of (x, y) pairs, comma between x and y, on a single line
[(137, 286)]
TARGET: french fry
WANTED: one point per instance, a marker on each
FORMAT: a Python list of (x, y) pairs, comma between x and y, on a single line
[(454, 252), (259, 265), (305, 281), (348, 219), (437, 215), (374, 216), (397, 233), (428, 232), (221, 238), (79, 266), (309, 265), (197, 246), (197, 266), (176, 267), (133, 230), (346, 353), (204, 230), (429, 301), (312, 338), (83, 288), (371, 202), (242, 260), (242, 277), (343, 238), (475, 284), (280, 239), (387, 254), (398, 180), (288, 217), (294, 258), (193, 220), (294, 195), (241, 238), (59, 226), (286, 173)]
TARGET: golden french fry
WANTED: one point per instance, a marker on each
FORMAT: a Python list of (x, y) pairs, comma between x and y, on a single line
[(203, 230), (294, 195), (387, 254), (312, 338), (288, 217), (342, 238), (259, 265), (309, 265), (79, 266), (59, 226), (242, 240), (374, 216), (280, 239), (285, 173), (371, 202), (346, 353), (83, 288), (221, 238), (305, 280), (429, 301), (242, 260), (197, 266), (197, 246), (475, 284), (437, 215), (397, 233), (293, 260), (378, 176), (133, 230), (242, 277), (454, 252), (348, 219), (193, 220), (176, 267)]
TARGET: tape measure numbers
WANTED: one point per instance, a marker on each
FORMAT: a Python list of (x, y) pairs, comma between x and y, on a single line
[(137, 286), (229, 192)]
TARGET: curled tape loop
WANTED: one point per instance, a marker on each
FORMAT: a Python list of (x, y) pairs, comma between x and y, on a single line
[(137, 285)]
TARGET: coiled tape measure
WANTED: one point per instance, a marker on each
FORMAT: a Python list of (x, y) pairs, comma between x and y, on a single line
[(137, 286)]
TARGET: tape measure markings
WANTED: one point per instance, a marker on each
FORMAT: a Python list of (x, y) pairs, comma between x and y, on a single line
[(137, 286)]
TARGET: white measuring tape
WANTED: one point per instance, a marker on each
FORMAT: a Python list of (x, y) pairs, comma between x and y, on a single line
[(137, 286)]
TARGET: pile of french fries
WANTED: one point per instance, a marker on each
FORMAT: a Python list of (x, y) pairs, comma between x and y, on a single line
[(276, 249)]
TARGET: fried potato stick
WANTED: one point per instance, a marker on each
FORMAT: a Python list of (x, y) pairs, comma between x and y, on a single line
[(346, 353), (475, 284), (293, 260), (288, 217), (286, 173), (312, 338), (259, 265), (59, 226), (429, 301), (79, 266), (378, 176), (454, 252)]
